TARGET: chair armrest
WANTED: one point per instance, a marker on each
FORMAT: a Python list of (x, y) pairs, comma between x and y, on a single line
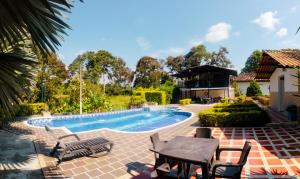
[(69, 135)]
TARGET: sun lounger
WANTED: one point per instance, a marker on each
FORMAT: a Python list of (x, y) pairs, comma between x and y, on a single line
[(79, 147)]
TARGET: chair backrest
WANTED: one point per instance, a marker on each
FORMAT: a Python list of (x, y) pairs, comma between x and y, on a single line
[(245, 153), (155, 140), (203, 133)]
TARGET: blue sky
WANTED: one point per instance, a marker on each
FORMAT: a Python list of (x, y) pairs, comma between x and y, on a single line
[(131, 29)]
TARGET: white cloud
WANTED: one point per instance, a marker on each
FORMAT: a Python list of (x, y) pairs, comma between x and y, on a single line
[(282, 32), (173, 51), (267, 20), (218, 32), (143, 43)]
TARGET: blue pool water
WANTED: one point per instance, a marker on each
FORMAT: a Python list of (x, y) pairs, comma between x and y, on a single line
[(137, 120)]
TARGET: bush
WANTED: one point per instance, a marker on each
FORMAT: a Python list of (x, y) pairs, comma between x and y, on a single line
[(151, 95), (31, 109), (185, 101), (156, 96), (137, 101), (224, 100), (234, 115), (168, 87), (254, 89), (264, 100)]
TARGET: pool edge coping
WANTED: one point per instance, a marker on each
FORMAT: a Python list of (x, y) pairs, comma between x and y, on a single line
[(113, 130)]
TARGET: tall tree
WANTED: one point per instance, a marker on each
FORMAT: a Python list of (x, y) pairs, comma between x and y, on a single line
[(37, 21), (50, 77), (253, 61), (121, 75), (175, 64), (148, 72), (219, 58), (196, 56)]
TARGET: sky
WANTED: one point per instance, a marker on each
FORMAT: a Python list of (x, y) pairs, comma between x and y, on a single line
[(131, 29)]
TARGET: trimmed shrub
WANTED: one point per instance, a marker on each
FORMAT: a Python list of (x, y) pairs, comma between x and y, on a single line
[(254, 89), (151, 95), (156, 96), (137, 101), (234, 115), (31, 109), (185, 101)]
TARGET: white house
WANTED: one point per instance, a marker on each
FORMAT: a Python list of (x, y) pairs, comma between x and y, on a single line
[(279, 67), (244, 79)]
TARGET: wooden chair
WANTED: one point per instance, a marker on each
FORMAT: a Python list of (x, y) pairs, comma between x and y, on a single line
[(78, 147), (229, 170), (157, 144)]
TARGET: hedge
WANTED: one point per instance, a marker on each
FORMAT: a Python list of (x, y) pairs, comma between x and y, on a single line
[(137, 101), (30, 109), (156, 96), (152, 95), (234, 115), (185, 101)]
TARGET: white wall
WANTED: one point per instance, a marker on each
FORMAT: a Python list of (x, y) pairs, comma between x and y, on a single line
[(290, 82), (264, 86)]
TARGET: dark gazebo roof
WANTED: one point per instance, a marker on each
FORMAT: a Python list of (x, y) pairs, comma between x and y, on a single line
[(205, 69)]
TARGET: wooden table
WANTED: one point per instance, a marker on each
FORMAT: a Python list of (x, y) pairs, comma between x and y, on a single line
[(198, 151)]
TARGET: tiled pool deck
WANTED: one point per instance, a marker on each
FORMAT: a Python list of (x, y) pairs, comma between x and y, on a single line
[(130, 157)]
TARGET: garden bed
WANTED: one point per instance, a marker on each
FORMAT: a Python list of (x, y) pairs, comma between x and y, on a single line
[(246, 114)]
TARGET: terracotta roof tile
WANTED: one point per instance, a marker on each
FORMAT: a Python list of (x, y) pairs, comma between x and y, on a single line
[(290, 58), (247, 77)]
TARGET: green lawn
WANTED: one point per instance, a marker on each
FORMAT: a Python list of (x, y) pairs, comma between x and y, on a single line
[(119, 102)]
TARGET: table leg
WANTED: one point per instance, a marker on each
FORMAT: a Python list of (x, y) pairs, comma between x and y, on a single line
[(205, 172), (218, 153), (186, 169)]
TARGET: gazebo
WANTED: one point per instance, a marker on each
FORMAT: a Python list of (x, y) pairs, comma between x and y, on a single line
[(205, 81)]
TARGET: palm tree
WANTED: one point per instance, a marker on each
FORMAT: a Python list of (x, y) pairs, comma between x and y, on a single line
[(26, 25)]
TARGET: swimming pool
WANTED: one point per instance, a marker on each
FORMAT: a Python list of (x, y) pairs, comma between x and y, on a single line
[(135, 120)]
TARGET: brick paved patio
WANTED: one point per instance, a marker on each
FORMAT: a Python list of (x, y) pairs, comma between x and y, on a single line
[(130, 158)]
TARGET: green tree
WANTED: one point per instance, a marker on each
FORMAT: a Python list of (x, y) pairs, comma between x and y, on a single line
[(121, 74), (253, 61), (254, 89), (219, 58), (175, 64), (148, 72), (37, 23), (196, 56), (49, 79), (237, 89)]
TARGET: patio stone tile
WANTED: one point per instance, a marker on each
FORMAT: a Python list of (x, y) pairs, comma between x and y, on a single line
[(94, 173), (255, 162), (118, 173), (274, 162), (106, 169), (81, 176), (78, 170)]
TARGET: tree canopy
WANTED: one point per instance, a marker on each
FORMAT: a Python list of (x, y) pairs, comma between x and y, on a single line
[(253, 61), (219, 58), (148, 72), (175, 64), (196, 56)]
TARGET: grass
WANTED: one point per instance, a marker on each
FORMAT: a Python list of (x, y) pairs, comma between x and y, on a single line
[(119, 102)]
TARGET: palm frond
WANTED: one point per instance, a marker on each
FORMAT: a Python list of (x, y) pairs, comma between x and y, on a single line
[(41, 20)]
